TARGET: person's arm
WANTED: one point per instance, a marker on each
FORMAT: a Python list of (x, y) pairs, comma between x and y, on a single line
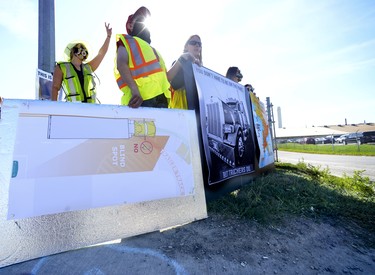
[(95, 62), (172, 72), (124, 70), (56, 82), (177, 66)]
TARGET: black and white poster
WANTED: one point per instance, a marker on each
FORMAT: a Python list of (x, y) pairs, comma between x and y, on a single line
[(227, 125)]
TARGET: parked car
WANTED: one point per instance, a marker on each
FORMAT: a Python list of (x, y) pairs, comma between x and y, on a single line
[(320, 140), (341, 138), (308, 140), (353, 138), (325, 140), (360, 137), (356, 137), (329, 139), (368, 137)]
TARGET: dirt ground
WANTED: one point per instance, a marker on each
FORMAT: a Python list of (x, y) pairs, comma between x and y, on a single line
[(218, 245)]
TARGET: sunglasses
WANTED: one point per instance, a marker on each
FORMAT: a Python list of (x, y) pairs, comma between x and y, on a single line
[(81, 52), (193, 43)]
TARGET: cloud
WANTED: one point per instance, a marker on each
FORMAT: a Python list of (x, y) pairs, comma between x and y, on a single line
[(344, 60), (352, 49), (20, 17)]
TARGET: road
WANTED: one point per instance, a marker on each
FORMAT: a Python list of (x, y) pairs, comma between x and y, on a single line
[(338, 165)]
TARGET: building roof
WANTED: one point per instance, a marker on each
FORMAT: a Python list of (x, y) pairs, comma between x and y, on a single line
[(323, 130), (350, 128)]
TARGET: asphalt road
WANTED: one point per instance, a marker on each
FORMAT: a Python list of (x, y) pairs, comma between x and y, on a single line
[(338, 165)]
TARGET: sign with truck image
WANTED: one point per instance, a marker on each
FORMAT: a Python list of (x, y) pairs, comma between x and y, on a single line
[(227, 130), (227, 125)]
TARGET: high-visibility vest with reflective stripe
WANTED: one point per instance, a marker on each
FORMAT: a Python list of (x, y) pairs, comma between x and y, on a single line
[(147, 69), (72, 85)]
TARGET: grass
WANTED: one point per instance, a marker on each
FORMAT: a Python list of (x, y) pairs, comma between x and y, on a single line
[(307, 191), (335, 149)]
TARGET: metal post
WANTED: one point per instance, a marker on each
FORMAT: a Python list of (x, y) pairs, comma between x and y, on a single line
[(271, 125), (357, 140), (46, 42)]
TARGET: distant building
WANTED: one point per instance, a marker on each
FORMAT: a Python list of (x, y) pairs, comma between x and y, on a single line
[(279, 120), (321, 131)]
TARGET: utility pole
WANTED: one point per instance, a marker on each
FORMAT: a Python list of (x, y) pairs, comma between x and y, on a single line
[(46, 48)]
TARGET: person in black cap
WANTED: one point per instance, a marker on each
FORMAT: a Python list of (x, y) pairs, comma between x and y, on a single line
[(249, 88), (234, 74), (140, 70)]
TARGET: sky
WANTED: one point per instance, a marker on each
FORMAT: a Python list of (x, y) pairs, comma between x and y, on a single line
[(313, 59)]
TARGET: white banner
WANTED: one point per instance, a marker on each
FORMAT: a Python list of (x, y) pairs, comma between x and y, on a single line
[(80, 156)]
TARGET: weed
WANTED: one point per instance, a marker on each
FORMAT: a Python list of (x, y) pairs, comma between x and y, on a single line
[(353, 150), (303, 190)]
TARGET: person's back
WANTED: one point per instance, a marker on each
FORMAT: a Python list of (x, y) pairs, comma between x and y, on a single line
[(140, 70)]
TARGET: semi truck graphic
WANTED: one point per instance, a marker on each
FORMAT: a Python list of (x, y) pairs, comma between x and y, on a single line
[(82, 145), (227, 129), (78, 127)]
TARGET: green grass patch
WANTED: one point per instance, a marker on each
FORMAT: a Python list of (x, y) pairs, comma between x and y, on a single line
[(307, 191), (329, 149)]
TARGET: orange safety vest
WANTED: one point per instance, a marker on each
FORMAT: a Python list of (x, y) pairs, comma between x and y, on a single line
[(147, 69)]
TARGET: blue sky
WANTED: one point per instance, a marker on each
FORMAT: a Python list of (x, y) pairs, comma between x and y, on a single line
[(313, 59)]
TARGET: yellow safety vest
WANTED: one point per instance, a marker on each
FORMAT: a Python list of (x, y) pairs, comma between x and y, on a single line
[(147, 68), (72, 86), (178, 99)]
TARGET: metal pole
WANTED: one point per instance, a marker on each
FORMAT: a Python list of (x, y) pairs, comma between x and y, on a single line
[(46, 42), (271, 126), (357, 140)]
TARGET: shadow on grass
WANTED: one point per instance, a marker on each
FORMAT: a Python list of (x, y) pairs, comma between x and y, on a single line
[(305, 191)]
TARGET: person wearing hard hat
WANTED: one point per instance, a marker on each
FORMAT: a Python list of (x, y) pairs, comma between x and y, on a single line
[(76, 76), (140, 70)]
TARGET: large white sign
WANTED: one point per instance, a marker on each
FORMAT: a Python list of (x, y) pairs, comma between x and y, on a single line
[(73, 175), (78, 156)]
